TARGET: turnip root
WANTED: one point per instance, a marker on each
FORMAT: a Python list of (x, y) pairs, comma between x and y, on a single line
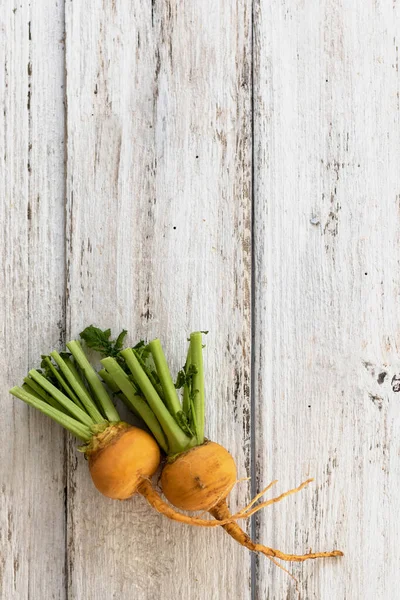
[(120, 458), (201, 479)]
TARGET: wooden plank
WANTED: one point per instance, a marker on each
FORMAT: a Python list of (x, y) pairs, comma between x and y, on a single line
[(158, 188), (32, 523), (327, 321)]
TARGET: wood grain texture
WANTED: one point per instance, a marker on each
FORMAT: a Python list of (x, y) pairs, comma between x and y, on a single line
[(156, 237), (327, 290), (32, 542), (159, 206)]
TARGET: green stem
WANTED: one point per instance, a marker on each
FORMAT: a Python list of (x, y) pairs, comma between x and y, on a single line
[(63, 383), (81, 392), (194, 417), (29, 390), (164, 374), (109, 381), (177, 439), (91, 376), (156, 385), (115, 389), (75, 427), (74, 410), (69, 363), (136, 403), (36, 389), (196, 350), (117, 392), (108, 378), (186, 391)]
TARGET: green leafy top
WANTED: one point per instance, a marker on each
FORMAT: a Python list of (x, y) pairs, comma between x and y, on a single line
[(185, 376), (142, 350), (68, 390), (100, 341), (142, 376)]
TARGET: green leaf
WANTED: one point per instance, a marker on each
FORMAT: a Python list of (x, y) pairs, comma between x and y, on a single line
[(193, 394), (184, 424), (180, 379), (185, 377), (100, 341), (192, 370), (142, 350), (120, 340), (95, 338), (142, 353)]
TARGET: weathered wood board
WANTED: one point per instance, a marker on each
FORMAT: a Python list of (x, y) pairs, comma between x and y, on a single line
[(327, 319), (158, 226), (32, 295), (234, 167)]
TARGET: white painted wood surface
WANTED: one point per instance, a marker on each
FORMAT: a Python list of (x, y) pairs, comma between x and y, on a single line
[(32, 519), (327, 254), (184, 121), (158, 202)]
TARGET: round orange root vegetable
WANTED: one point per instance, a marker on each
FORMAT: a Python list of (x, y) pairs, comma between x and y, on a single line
[(202, 478), (122, 459), (199, 478)]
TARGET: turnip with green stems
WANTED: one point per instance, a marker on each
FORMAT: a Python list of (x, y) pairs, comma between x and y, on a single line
[(122, 458), (198, 474)]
